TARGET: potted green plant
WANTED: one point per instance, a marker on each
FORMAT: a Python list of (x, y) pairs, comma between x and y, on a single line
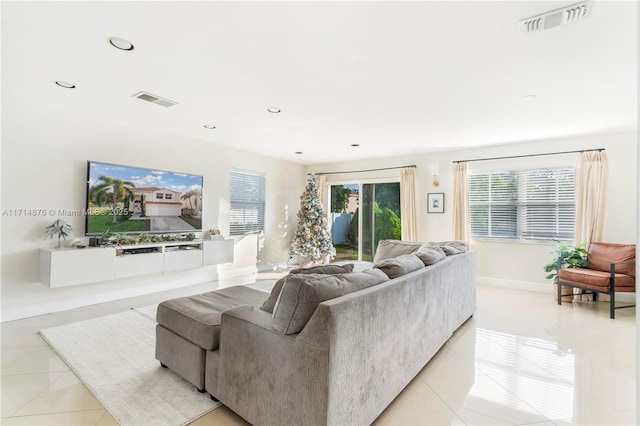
[(571, 257), (59, 228), (565, 256)]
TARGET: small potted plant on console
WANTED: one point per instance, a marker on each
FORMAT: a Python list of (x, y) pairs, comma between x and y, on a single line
[(59, 228)]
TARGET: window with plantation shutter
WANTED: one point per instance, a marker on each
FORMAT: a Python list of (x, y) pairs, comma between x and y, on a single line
[(247, 195), (536, 204)]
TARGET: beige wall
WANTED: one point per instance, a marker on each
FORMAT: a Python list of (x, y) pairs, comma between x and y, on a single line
[(508, 262)]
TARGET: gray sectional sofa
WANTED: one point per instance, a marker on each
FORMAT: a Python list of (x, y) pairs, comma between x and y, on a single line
[(338, 346)]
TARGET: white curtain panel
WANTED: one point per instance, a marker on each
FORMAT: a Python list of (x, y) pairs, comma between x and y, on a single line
[(461, 223), (408, 203), (592, 171), (322, 184)]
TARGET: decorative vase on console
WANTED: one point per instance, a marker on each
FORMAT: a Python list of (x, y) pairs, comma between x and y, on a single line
[(214, 234)]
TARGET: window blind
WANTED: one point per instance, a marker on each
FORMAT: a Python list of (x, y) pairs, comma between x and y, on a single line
[(247, 196), (537, 204)]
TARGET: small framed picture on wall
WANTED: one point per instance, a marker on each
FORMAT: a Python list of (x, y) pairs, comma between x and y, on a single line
[(435, 202)]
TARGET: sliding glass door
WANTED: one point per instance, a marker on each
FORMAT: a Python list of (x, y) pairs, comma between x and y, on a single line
[(362, 214)]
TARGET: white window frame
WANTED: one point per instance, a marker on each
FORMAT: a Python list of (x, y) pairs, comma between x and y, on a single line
[(564, 207), (247, 198)]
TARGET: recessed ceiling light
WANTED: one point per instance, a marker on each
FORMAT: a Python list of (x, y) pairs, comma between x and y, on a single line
[(355, 144), (528, 98), (209, 126), (299, 152), (273, 110), (120, 43), (65, 84)]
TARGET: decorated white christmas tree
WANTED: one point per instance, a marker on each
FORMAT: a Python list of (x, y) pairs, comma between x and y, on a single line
[(312, 238)]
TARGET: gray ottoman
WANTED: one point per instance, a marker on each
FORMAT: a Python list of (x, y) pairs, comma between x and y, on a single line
[(190, 326)]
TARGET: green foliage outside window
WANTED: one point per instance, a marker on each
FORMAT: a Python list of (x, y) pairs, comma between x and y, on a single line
[(388, 226)]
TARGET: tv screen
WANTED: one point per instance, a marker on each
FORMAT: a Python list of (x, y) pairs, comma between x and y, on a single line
[(128, 199)]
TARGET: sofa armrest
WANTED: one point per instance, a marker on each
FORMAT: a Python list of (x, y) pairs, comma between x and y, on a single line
[(250, 314), (267, 377)]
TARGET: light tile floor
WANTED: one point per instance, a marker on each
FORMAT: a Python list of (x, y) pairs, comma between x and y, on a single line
[(521, 359)]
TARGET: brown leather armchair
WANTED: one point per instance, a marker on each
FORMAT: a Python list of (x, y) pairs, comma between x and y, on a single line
[(612, 268)]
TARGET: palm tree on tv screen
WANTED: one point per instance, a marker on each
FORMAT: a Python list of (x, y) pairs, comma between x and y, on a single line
[(115, 190), (187, 197), (196, 195)]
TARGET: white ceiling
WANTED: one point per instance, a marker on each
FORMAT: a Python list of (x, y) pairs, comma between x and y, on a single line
[(397, 78)]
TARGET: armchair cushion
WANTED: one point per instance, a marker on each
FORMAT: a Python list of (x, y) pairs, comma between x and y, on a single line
[(602, 255), (595, 280)]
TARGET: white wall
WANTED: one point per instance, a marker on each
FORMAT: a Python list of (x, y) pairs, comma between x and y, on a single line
[(44, 167), (504, 262)]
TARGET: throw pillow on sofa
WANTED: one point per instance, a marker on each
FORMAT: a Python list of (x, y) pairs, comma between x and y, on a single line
[(388, 249), (327, 269), (270, 303), (400, 265), (302, 294), (430, 256), (449, 247)]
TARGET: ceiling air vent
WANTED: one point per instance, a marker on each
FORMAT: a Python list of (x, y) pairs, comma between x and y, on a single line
[(146, 96), (565, 15)]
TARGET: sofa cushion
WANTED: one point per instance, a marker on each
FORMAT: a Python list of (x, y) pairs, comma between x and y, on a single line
[(400, 265), (394, 248), (330, 269), (301, 295), (430, 256), (197, 318), (602, 255)]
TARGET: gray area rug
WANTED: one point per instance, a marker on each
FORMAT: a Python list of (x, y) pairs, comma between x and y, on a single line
[(114, 356)]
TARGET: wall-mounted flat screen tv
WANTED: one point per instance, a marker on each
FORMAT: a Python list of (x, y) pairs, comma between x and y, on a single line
[(129, 199)]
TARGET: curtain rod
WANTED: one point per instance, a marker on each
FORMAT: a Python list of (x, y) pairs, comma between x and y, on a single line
[(361, 171), (529, 155)]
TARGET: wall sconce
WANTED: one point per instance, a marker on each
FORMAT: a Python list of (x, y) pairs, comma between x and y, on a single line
[(434, 173)]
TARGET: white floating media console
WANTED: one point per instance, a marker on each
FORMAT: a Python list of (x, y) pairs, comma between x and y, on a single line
[(72, 266)]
